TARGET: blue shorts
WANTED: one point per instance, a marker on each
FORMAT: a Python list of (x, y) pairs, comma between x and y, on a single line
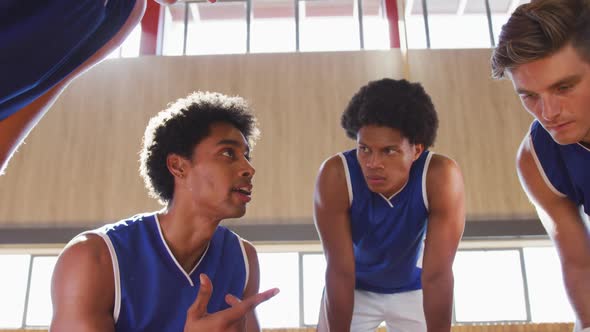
[(42, 42)]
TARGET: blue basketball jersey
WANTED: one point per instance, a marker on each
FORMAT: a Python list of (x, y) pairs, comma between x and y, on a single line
[(565, 168), (41, 42), (152, 291), (387, 233)]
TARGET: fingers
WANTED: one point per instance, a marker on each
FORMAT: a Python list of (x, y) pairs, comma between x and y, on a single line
[(199, 308), (240, 308), (255, 300), (232, 300)]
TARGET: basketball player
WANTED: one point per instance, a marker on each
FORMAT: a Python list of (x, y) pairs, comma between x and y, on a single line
[(45, 46), (544, 48), (144, 273), (375, 205)]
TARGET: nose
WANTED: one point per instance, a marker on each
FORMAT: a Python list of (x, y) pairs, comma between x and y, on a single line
[(550, 108), (374, 161), (247, 170)]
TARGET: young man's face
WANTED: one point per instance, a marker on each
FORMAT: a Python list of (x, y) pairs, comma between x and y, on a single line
[(556, 91), (220, 176), (385, 156)]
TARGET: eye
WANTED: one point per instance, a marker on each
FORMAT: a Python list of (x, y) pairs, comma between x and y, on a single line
[(363, 149), (390, 151), (247, 156), (229, 153), (564, 88)]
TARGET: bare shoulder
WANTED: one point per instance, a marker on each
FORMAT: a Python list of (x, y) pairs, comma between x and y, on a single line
[(531, 179), (332, 167), (250, 250), (84, 263), (331, 186), (442, 170), (525, 160), (83, 287), (253, 269), (86, 248)]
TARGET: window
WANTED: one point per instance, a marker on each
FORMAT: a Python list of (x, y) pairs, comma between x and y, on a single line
[(279, 270), (130, 47), (314, 268), (489, 286), (173, 29), (547, 296), (39, 309), (328, 25), (375, 25), (13, 287), (273, 26), (415, 26), (455, 24), (216, 28), (501, 11)]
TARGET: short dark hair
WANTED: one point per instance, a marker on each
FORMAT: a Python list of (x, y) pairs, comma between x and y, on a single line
[(397, 104), (540, 28), (180, 127)]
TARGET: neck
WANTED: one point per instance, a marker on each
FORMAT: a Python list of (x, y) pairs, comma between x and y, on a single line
[(586, 140), (186, 233)]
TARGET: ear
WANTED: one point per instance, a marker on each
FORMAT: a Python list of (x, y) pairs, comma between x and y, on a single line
[(418, 149), (177, 165)]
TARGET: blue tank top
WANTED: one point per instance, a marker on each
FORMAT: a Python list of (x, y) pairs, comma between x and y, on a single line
[(565, 168), (41, 42), (152, 291), (387, 234)]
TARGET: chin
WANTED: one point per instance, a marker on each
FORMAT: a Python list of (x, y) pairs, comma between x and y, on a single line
[(237, 212), (566, 139)]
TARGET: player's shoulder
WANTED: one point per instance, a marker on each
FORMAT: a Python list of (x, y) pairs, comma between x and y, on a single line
[(88, 248), (332, 167), (442, 167)]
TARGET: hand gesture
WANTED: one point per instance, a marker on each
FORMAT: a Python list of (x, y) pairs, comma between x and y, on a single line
[(230, 319)]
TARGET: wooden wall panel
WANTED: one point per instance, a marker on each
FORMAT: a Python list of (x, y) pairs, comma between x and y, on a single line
[(79, 166), (481, 126)]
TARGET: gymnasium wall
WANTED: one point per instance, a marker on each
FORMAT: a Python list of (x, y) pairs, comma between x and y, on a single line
[(79, 166)]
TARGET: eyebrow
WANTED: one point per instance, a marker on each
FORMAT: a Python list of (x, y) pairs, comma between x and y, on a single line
[(234, 143), (393, 146), (572, 79)]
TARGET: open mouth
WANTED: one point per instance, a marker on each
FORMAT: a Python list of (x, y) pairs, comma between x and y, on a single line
[(243, 191)]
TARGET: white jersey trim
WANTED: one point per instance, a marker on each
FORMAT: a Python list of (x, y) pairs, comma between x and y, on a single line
[(347, 172), (246, 261), (116, 273), (584, 147), (187, 275), (542, 171), (388, 199), (424, 176)]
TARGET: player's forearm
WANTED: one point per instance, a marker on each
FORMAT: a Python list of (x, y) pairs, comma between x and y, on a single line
[(339, 300), (438, 301), (15, 128), (578, 288)]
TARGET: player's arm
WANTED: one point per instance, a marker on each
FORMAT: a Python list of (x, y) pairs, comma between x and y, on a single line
[(563, 221), (446, 221), (15, 128), (82, 287), (331, 206), (252, 286)]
